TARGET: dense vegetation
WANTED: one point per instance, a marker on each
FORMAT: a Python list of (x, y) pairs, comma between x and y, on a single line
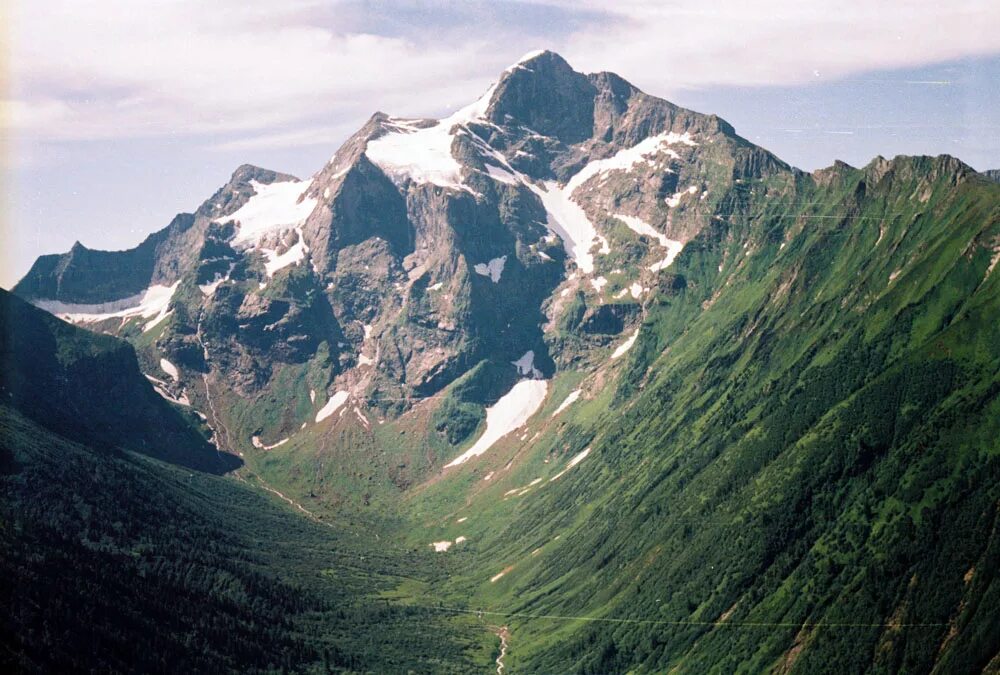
[(115, 562), (801, 469)]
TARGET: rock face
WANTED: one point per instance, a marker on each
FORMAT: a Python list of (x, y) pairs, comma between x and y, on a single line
[(426, 248)]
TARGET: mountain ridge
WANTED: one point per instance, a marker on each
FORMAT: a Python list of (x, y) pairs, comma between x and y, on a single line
[(642, 387)]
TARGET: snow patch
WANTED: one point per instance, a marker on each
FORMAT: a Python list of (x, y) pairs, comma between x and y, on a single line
[(675, 199), (493, 269), (568, 401), (498, 576), (625, 159), (435, 287), (293, 256), (502, 175), (258, 444), (568, 220), (511, 412), (641, 227), (159, 386), (170, 369), (441, 546), (573, 462), (208, 290), (361, 417), (526, 365), (598, 283), (331, 406), (625, 346)]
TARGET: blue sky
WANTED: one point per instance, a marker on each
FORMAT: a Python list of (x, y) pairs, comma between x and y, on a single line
[(118, 115)]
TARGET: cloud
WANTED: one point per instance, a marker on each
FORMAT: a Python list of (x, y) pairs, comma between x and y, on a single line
[(120, 68), (300, 70), (665, 45)]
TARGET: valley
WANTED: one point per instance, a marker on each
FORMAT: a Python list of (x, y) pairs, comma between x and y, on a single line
[(572, 380)]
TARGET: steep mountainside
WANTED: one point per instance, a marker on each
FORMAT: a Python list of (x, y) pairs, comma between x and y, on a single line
[(656, 399), (113, 562)]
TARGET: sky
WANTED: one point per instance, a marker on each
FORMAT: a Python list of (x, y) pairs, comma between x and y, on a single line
[(115, 115)]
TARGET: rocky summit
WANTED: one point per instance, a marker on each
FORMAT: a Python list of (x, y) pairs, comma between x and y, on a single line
[(576, 369)]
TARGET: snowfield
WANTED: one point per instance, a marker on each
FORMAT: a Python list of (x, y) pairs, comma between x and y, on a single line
[(423, 155), (337, 400), (511, 412), (568, 219), (153, 303), (272, 208)]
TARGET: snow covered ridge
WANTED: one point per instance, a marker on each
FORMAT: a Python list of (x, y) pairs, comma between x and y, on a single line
[(272, 208), (153, 303), (511, 412), (423, 155)]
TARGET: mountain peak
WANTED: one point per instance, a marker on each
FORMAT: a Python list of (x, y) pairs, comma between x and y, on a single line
[(538, 55), (245, 173), (543, 92)]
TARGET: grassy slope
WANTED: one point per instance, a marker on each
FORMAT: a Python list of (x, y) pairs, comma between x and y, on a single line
[(811, 443), (123, 563), (114, 561)]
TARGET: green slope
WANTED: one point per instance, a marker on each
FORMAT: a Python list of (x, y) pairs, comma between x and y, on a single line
[(113, 561), (799, 472)]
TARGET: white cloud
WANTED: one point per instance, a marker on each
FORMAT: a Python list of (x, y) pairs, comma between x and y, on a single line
[(664, 46), (294, 72), (121, 68)]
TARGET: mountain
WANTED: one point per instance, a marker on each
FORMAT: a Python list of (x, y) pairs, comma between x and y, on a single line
[(655, 398), (113, 561), (992, 174), (423, 253), (89, 386)]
